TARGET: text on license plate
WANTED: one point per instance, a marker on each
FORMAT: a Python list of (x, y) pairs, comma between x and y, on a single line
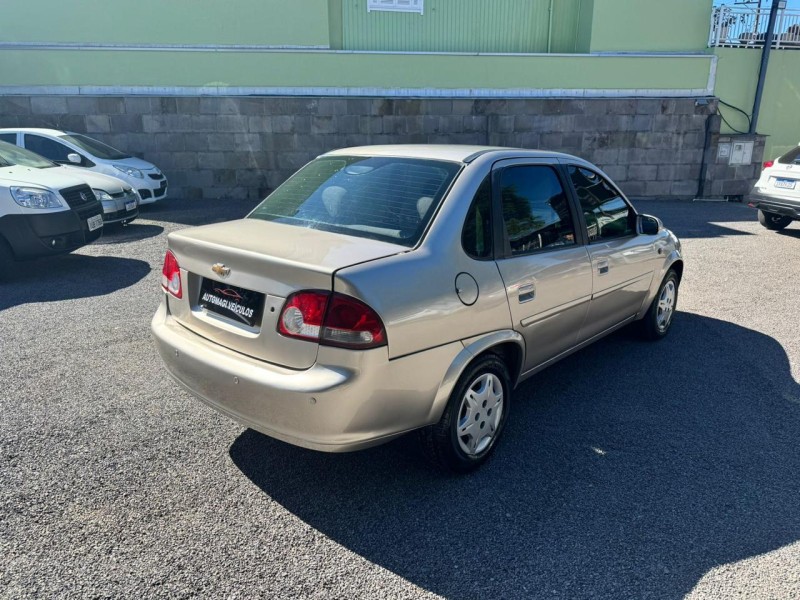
[(787, 184), (95, 222), (235, 303), (130, 205)]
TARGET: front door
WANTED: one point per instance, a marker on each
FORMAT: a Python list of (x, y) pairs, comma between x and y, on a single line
[(623, 262), (545, 268)]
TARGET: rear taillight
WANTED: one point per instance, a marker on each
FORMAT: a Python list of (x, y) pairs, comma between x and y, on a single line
[(768, 164), (331, 320), (171, 275)]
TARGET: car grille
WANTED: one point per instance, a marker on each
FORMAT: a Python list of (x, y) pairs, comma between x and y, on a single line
[(156, 177), (78, 196), (145, 194)]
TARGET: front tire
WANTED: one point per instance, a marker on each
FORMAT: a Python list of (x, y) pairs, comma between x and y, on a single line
[(473, 419), (772, 221), (657, 321)]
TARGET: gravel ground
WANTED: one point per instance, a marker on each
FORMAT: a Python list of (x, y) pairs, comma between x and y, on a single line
[(629, 470)]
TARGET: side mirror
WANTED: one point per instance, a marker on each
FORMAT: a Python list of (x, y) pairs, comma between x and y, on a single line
[(649, 225), (74, 158)]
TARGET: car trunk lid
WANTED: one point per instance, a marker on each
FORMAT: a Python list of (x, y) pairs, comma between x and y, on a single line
[(259, 263)]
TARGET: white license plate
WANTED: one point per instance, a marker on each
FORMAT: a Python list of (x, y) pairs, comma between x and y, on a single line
[(95, 222), (130, 205), (786, 184)]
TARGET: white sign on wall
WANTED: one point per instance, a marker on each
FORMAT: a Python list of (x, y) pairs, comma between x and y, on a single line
[(414, 6)]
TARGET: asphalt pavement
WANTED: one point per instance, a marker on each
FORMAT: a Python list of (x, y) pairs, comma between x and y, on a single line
[(629, 470)]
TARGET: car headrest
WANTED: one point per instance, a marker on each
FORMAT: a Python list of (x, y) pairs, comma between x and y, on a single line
[(423, 204), (332, 198)]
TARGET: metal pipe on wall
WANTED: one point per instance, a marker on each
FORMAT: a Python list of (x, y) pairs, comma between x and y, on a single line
[(550, 28), (762, 73)]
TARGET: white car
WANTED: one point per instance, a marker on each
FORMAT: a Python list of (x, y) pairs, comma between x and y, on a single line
[(120, 201), (44, 210), (80, 150), (776, 194)]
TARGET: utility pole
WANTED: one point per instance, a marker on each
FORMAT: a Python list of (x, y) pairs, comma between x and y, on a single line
[(762, 73)]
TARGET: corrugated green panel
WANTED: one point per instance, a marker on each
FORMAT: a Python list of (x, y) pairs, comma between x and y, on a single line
[(278, 22), (565, 25), (460, 26)]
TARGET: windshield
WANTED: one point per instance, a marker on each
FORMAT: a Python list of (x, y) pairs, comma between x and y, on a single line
[(382, 198), (94, 147), (14, 155)]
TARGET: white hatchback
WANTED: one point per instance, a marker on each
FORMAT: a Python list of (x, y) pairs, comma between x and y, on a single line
[(81, 150), (776, 194)]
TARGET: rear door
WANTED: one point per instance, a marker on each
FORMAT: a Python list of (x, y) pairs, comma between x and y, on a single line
[(544, 265), (623, 262)]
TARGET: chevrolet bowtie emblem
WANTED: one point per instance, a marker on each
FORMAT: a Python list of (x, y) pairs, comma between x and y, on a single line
[(221, 270)]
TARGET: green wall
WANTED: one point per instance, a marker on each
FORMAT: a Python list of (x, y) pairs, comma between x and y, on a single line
[(463, 26), (649, 25), (350, 70), (269, 22), (737, 74)]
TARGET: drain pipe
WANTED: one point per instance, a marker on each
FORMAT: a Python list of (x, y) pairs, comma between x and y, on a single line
[(762, 73)]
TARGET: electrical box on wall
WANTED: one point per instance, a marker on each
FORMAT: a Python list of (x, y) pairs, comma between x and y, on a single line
[(741, 153)]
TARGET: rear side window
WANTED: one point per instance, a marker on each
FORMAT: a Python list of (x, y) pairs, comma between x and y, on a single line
[(11, 138), (792, 157), (477, 235), (383, 198), (47, 147), (535, 209), (607, 214)]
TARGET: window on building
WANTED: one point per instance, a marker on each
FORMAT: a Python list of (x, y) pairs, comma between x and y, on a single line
[(607, 214), (535, 210), (414, 6)]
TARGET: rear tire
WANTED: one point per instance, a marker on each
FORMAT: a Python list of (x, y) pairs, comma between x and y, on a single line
[(657, 321), (772, 221), (473, 419)]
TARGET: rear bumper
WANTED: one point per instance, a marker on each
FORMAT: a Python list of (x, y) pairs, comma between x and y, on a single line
[(775, 204), (347, 401)]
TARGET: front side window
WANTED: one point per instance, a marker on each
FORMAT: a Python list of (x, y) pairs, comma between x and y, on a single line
[(10, 138), (383, 198), (477, 234), (47, 148), (535, 209), (607, 214)]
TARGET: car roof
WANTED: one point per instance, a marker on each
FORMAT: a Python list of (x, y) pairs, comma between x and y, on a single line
[(449, 152), (53, 132)]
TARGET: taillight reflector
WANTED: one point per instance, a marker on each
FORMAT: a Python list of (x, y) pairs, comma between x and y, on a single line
[(768, 164), (331, 320), (171, 275)]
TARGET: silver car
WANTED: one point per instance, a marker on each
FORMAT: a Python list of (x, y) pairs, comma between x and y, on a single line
[(387, 289)]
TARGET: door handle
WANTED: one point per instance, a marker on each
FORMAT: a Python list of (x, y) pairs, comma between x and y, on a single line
[(602, 266), (526, 292)]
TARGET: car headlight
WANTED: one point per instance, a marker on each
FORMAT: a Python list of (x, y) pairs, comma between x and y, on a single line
[(31, 197), (129, 171), (101, 195)]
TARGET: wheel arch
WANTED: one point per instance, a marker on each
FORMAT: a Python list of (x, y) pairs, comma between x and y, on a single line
[(507, 343)]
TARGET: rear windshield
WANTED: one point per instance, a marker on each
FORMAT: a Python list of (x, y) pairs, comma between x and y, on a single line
[(382, 198), (792, 157), (94, 147)]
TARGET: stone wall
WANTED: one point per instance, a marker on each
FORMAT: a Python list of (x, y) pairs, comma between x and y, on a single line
[(241, 147)]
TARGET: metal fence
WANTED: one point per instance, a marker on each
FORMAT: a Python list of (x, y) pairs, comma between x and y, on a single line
[(743, 27)]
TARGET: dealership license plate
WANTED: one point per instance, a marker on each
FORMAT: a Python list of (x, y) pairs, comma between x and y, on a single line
[(786, 184), (235, 303), (95, 222), (130, 205)]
